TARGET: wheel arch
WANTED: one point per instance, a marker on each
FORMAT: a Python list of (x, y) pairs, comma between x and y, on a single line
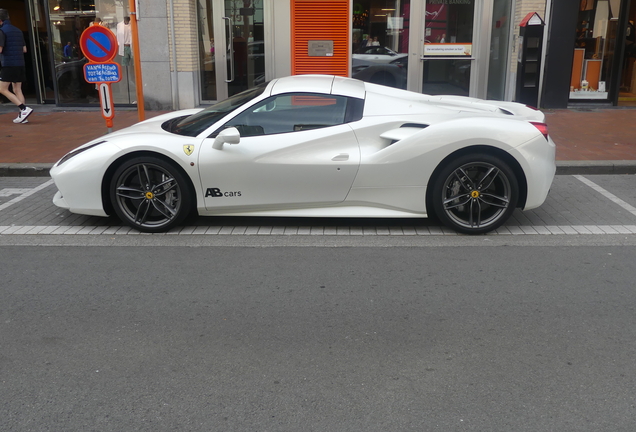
[(494, 151), (108, 177)]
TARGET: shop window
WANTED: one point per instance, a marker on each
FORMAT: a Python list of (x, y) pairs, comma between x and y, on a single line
[(380, 39), (68, 21), (595, 50)]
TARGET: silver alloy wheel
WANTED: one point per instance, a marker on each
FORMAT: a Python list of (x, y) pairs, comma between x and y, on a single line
[(148, 196), (476, 195)]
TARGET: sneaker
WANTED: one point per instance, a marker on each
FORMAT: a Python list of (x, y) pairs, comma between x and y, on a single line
[(21, 118)]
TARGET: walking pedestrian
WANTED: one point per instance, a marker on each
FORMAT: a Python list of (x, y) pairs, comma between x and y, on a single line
[(13, 72)]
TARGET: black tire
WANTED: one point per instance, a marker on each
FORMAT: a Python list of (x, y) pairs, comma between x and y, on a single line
[(475, 193), (150, 194)]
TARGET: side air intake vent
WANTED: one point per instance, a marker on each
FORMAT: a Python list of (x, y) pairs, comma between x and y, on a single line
[(414, 125), (404, 131)]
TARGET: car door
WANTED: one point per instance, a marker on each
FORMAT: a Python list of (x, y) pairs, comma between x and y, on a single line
[(295, 150)]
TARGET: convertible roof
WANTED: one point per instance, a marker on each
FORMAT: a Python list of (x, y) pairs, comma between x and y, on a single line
[(327, 84)]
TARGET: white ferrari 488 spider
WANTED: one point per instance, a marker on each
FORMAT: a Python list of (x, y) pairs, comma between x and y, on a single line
[(319, 146)]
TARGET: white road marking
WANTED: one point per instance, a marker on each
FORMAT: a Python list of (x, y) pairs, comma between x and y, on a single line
[(13, 191), (607, 194), (340, 231), (25, 194)]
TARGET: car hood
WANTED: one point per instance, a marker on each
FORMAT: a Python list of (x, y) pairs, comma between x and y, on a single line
[(154, 124)]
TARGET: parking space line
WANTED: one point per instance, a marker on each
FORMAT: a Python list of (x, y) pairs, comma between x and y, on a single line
[(26, 194), (607, 194)]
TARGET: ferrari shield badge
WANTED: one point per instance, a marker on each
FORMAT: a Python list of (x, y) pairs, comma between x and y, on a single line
[(188, 149)]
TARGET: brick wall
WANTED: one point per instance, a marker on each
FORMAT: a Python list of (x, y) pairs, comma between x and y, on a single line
[(185, 22)]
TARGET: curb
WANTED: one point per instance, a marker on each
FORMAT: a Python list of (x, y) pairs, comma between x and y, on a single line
[(25, 169), (596, 167), (563, 168)]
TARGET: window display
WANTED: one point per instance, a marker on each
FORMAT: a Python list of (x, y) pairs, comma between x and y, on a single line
[(594, 50)]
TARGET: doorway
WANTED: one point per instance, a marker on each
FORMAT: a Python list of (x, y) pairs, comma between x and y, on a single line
[(19, 16), (627, 93)]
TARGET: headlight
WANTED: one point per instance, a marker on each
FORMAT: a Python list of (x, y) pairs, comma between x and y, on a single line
[(78, 151)]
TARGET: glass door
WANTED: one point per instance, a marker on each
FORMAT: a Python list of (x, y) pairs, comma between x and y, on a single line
[(40, 53), (231, 46), (499, 41), (245, 44), (448, 47), (66, 23)]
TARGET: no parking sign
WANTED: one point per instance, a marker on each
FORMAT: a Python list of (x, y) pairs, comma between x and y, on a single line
[(99, 45)]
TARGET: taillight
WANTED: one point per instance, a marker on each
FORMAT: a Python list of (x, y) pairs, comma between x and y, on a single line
[(543, 128), (532, 108)]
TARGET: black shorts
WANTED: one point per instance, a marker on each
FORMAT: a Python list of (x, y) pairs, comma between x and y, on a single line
[(13, 74)]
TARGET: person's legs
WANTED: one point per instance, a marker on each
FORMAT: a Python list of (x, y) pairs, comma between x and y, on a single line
[(4, 90), (15, 75), (17, 90)]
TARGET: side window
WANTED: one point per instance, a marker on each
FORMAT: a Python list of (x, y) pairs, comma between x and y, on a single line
[(291, 113)]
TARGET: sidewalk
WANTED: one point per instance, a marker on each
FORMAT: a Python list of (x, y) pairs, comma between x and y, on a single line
[(589, 141)]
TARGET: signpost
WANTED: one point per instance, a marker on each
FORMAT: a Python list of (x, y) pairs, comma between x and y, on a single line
[(106, 101), (99, 45)]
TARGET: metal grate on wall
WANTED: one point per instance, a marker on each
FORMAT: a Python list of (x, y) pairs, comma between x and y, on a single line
[(326, 20)]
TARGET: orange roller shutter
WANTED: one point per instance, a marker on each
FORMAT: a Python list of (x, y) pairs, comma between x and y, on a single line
[(326, 20)]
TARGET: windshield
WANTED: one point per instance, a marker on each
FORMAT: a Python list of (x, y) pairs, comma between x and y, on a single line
[(195, 124)]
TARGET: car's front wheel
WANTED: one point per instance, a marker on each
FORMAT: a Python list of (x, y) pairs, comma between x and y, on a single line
[(150, 194), (475, 193)]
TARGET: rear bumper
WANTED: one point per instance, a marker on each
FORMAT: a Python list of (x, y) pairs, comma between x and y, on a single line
[(539, 157)]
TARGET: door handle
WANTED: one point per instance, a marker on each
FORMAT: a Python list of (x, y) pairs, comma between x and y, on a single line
[(230, 48), (341, 157)]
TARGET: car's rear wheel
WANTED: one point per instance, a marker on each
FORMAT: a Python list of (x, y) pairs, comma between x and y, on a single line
[(475, 193), (150, 194)]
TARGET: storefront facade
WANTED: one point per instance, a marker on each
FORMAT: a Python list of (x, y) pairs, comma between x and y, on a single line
[(591, 54), (196, 52), (54, 60), (462, 47)]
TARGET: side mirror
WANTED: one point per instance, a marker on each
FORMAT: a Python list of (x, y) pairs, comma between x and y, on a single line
[(227, 136)]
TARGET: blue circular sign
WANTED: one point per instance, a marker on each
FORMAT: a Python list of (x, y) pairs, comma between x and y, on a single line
[(98, 44)]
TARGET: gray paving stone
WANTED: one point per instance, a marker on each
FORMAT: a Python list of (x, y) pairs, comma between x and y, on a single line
[(572, 207)]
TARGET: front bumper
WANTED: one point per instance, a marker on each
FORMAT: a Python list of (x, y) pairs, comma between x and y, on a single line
[(79, 180)]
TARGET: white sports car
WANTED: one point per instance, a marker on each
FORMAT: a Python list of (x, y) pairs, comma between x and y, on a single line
[(319, 146)]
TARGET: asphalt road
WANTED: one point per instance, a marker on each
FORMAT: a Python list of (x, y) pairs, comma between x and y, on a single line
[(236, 324), (515, 338)]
